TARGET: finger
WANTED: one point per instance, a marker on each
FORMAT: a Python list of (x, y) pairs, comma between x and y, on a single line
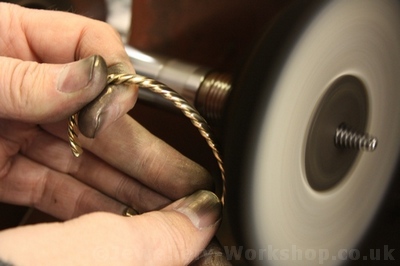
[(110, 105), (69, 38), (136, 152), (30, 184), (185, 227), (35, 92), (174, 236), (65, 42), (49, 152), (55, 153)]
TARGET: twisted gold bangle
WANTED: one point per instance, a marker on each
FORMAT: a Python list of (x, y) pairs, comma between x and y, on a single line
[(159, 88), (73, 136)]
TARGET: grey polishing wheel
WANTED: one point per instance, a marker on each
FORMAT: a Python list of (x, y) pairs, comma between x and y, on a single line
[(289, 186)]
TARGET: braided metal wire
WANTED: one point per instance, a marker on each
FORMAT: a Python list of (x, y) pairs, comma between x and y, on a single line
[(73, 136), (159, 88)]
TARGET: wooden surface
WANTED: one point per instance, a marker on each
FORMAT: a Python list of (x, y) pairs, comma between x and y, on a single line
[(213, 33)]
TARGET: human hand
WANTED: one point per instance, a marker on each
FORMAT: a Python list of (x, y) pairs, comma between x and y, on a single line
[(39, 88), (173, 236)]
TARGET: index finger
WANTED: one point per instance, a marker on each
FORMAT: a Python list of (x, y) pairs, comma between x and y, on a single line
[(59, 37), (133, 150)]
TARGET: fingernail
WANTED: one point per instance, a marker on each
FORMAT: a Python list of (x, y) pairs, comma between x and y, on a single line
[(203, 208), (101, 112), (91, 71)]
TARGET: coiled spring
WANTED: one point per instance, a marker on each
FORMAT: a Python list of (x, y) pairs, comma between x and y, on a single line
[(159, 88), (346, 138)]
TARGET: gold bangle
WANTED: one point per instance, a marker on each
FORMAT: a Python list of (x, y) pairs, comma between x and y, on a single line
[(129, 212), (159, 88)]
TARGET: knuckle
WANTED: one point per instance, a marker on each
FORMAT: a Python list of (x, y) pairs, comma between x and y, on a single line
[(20, 91)]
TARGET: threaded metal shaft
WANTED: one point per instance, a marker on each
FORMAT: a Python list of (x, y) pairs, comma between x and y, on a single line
[(346, 138), (212, 95)]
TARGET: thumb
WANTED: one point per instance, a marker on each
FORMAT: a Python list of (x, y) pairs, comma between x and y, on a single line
[(179, 233), (175, 235), (38, 93)]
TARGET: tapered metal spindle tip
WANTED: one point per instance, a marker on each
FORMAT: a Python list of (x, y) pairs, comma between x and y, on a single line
[(349, 139), (372, 143)]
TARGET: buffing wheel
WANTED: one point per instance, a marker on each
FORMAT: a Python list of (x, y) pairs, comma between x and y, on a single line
[(293, 196)]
